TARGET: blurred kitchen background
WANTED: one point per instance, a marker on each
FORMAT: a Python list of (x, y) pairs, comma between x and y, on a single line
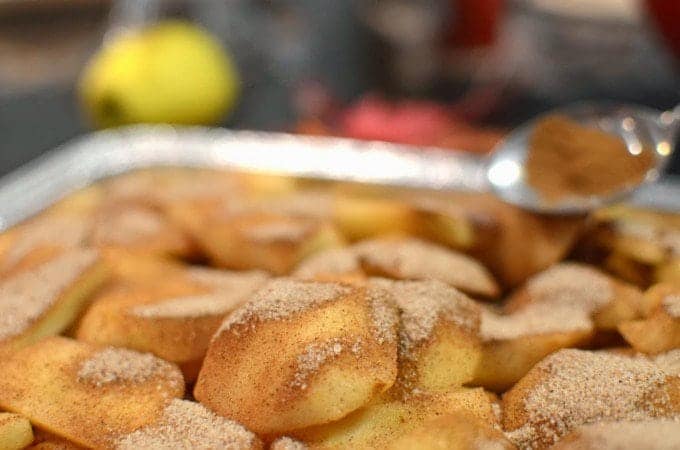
[(452, 73)]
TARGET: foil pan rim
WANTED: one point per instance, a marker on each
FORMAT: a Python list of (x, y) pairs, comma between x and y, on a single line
[(89, 158)]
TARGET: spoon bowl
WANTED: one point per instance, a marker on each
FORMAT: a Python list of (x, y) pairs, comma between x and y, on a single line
[(641, 128)]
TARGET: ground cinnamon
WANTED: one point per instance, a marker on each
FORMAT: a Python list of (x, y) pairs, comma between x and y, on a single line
[(568, 159)]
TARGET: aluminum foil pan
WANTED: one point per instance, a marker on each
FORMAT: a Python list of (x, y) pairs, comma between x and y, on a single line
[(85, 160)]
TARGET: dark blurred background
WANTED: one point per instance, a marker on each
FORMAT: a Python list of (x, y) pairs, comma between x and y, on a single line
[(452, 73)]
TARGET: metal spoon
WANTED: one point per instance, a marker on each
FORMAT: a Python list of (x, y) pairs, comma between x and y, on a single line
[(638, 126)]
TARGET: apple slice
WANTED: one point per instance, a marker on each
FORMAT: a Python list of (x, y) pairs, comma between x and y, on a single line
[(46, 299)]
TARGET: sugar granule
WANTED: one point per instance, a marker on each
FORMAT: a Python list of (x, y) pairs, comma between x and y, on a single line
[(189, 425)]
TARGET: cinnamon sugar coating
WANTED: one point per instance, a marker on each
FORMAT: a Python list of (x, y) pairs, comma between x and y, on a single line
[(575, 387)]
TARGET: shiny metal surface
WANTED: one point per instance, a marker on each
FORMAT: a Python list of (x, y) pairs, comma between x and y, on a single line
[(83, 161), (639, 127)]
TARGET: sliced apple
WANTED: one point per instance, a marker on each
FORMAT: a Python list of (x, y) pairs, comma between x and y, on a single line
[(87, 394), (47, 299)]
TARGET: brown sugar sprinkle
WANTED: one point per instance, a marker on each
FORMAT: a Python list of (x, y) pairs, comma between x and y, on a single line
[(65, 231), (536, 318), (384, 314), (671, 304), (279, 231), (128, 226), (574, 284), (423, 304), (332, 261), (286, 443), (25, 297), (497, 411), (119, 365), (669, 362), (580, 387), (661, 434), (416, 259), (317, 354), (189, 425), (281, 298)]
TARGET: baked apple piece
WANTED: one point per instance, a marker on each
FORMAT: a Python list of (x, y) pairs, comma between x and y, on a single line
[(265, 185), (628, 270), (457, 431), (189, 425), (132, 268), (643, 246), (309, 204), (264, 241), (660, 331), (55, 444), (655, 295), (332, 264), (183, 196), (403, 258), (82, 202), (40, 239), (299, 354), (439, 348), (45, 299), (513, 343), (607, 300), (15, 431), (381, 424), (514, 244), (575, 387), (654, 434), (413, 259), (84, 393), (364, 216), (139, 229), (160, 188), (44, 440), (174, 320), (668, 271), (440, 220), (193, 214)]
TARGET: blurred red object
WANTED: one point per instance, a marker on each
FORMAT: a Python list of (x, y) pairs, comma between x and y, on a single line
[(408, 122), (666, 14), (475, 22), (420, 123)]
